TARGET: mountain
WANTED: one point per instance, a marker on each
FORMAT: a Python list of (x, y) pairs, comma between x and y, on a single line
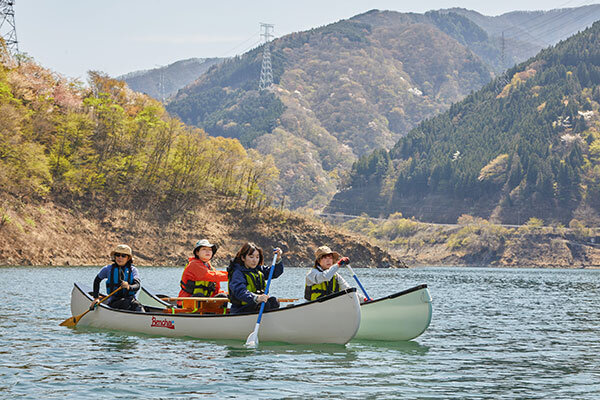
[(522, 34), (515, 150), (163, 82), (341, 91)]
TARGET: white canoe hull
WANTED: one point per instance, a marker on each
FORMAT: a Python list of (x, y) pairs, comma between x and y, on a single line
[(400, 316), (334, 319)]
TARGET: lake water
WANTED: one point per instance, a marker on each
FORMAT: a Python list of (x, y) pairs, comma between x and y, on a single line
[(495, 334)]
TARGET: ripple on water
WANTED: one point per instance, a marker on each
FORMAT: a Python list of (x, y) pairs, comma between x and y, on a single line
[(495, 334)]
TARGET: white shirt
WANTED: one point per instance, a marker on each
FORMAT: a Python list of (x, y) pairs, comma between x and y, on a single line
[(317, 275)]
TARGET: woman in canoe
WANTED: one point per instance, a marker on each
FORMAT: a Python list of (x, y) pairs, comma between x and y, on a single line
[(200, 278), (121, 273), (248, 277), (323, 279)]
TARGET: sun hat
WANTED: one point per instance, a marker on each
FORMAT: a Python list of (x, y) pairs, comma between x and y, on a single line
[(122, 249), (324, 251), (205, 243)]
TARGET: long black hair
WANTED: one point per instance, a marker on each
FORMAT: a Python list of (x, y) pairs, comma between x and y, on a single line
[(248, 248)]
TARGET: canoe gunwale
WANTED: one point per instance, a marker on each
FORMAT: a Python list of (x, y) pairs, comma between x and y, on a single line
[(191, 315), (398, 294)]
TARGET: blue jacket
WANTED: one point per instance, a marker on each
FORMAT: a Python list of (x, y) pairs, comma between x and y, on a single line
[(238, 284)]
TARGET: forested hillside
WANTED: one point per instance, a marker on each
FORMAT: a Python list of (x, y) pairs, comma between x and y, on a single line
[(83, 168), (528, 149), (340, 91), (109, 146), (345, 89)]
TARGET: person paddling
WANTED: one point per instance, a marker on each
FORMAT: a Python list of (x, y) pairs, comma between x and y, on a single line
[(323, 279), (121, 273), (247, 280)]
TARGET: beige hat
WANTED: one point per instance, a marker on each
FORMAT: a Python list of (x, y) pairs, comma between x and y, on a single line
[(323, 251), (205, 243), (122, 249)]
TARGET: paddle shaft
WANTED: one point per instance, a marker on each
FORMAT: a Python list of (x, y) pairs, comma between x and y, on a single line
[(253, 336), (262, 305), (359, 284), (74, 320)]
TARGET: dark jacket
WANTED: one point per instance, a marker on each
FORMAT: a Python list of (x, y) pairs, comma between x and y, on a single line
[(238, 284)]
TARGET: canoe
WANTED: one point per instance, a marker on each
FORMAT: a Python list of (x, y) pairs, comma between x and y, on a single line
[(333, 319), (400, 316)]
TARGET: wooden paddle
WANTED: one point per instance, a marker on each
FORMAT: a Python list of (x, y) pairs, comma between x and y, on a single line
[(252, 340), (72, 321)]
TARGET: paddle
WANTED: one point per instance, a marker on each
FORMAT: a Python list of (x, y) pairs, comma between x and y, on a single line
[(72, 321), (252, 340), (357, 281)]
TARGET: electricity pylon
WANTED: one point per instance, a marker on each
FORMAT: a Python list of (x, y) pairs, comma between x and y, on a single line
[(7, 26), (266, 73)]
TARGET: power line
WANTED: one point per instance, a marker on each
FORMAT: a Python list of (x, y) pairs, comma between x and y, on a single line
[(240, 44)]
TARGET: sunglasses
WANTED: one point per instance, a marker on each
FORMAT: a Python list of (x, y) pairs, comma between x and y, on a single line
[(121, 255)]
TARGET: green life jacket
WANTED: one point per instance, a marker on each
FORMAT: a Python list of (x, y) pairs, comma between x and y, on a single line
[(255, 283), (321, 289)]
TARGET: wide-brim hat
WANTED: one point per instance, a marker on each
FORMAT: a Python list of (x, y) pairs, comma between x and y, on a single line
[(205, 243), (122, 249), (324, 251)]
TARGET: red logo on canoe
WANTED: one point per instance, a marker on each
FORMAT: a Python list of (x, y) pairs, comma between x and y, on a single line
[(162, 323)]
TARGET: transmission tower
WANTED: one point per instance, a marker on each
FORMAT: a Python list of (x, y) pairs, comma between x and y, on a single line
[(7, 26), (266, 73)]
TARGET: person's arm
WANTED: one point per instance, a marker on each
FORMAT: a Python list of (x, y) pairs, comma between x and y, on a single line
[(103, 274), (278, 270), (199, 272), (97, 281), (315, 276), (135, 286)]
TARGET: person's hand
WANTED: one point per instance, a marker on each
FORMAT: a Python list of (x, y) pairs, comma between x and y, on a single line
[(124, 285), (94, 303), (278, 254), (262, 298), (343, 261)]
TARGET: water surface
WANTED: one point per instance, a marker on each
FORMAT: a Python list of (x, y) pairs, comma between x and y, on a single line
[(495, 334)]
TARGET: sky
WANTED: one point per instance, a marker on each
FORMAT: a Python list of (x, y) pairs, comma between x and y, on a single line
[(72, 37)]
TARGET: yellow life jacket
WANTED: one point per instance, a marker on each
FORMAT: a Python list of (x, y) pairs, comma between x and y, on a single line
[(321, 289)]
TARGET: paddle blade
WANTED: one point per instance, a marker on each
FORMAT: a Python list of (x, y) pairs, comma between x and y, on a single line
[(70, 322), (252, 340)]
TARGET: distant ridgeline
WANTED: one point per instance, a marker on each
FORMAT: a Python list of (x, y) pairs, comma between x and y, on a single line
[(348, 88), (527, 146), (164, 82)]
